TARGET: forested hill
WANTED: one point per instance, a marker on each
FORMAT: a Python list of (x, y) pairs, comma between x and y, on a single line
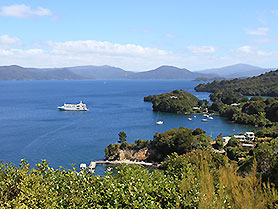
[(262, 85)]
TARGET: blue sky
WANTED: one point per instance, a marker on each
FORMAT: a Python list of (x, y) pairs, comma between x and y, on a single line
[(139, 35)]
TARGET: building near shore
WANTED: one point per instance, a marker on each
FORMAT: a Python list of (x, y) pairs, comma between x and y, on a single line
[(247, 136)]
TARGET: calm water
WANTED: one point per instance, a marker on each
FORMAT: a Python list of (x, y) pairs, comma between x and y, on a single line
[(31, 127)]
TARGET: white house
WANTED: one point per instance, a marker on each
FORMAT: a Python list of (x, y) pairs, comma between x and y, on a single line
[(226, 139), (247, 136), (250, 136)]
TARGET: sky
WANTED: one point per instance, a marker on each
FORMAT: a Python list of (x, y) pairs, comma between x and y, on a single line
[(139, 35)]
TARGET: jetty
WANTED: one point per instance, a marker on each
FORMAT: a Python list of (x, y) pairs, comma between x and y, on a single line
[(93, 164)]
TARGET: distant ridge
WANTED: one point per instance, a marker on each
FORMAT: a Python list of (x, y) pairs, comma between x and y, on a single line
[(100, 72), (15, 72), (236, 71), (167, 72)]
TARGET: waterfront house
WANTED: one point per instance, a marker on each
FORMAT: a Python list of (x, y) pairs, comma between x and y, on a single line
[(250, 136)]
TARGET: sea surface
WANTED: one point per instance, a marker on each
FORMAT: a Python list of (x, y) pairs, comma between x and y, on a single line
[(31, 126)]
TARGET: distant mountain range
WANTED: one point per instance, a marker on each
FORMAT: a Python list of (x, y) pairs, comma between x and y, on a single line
[(236, 71), (15, 72)]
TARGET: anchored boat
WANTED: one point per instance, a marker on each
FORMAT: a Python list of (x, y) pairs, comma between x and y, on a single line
[(73, 107), (159, 122)]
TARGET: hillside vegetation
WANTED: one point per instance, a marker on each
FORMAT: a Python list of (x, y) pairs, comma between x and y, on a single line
[(263, 85), (177, 101), (235, 107), (197, 179), (181, 141)]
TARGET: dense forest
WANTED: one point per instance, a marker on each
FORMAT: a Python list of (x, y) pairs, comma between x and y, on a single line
[(181, 141), (261, 153), (263, 85), (235, 107), (177, 101), (197, 177)]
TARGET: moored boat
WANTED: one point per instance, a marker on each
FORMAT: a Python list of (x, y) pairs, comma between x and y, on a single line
[(159, 122)]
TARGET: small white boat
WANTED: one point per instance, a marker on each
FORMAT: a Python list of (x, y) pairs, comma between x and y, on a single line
[(189, 118), (83, 166), (204, 120), (194, 116), (205, 115), (73, 107), (159, 122), (211, 118)]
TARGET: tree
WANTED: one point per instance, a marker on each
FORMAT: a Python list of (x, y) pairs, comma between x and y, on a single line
[(122, 137), (219, 142), (233, 142)]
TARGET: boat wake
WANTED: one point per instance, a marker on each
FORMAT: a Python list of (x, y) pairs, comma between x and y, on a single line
[(50, 137)]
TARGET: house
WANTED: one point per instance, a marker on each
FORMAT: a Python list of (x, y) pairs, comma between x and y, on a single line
[(235, 104), (240, 137), (83, 166), (250, 136), (247, 145), (226, 139)]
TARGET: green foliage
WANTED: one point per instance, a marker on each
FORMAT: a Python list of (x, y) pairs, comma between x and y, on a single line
[(219, 142), (193, 180), (140, 144), (263, 85), (266, 155), (181, 141), (178, 101), (228, 97), (272, 111), (233, 142), (267, 131), (254, 107), (112, 151), (122, 137), (259, 112)]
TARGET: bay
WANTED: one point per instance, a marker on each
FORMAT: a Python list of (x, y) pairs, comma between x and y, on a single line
[(31, 126)]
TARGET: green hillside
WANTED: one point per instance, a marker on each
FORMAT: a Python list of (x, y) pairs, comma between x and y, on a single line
[(263, 85), (177, 101)]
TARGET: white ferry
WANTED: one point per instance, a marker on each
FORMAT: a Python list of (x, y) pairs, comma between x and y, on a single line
[(73, 107)]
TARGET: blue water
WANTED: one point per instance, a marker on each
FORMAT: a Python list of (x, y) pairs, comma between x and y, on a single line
[(31, 127)]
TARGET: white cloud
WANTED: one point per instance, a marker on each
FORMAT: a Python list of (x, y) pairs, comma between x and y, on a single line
[(246, 49), (253, 52), (170, 36), (103, 47), (259, 31), (90, 52), (23, 11), (202, 49), (128, 56), (262, 40), (6, 41)]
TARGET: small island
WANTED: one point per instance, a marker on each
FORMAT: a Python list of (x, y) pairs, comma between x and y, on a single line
[(177, 101)]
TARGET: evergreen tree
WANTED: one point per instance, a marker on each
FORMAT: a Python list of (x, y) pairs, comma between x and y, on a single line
[(122, 137)]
